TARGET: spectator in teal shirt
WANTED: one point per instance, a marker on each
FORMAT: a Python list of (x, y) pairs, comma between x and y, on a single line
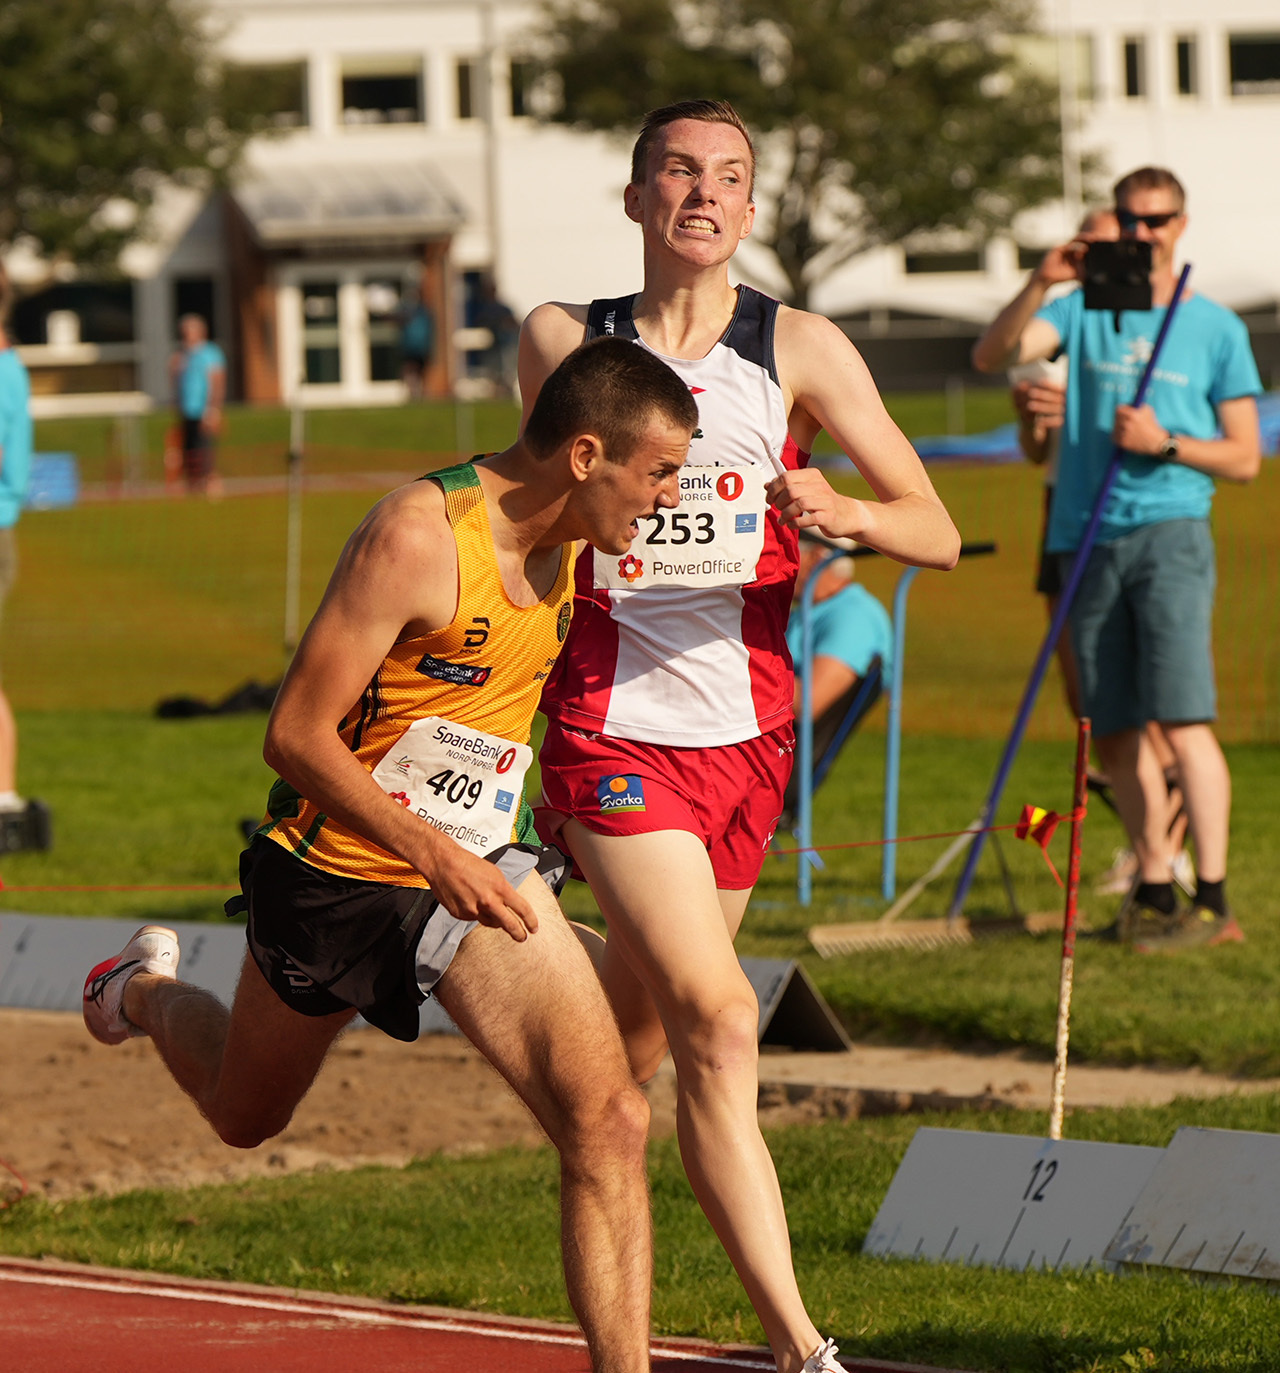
[(198, 375), (15, 474), (1142, 618)]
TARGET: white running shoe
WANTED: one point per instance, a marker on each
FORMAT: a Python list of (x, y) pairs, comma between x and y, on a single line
[(1184, 872), (153, 949), (823, 1360), (1118, 878)]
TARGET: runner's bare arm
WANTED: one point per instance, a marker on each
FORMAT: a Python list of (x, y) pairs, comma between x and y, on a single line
[(829, 387), (398, 572), (548, 335)]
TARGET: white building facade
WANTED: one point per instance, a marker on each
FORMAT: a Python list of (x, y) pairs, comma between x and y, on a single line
[(406, 161)]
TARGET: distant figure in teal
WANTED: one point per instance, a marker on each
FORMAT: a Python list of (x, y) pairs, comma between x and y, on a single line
[(417, 347), (198, 378), (15, 473)]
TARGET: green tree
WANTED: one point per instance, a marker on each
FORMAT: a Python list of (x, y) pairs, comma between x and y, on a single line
[(102, 102), (881, 119)]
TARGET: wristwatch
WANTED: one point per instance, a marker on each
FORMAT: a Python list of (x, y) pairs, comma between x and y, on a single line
[(1169, 448)]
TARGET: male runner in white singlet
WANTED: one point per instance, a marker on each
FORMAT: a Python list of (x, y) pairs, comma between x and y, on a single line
[(670, 739), (392, 860)]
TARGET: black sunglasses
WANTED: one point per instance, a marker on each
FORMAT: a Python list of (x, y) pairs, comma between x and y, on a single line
[(1129, 221)]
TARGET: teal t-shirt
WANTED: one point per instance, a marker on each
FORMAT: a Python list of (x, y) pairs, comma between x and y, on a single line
[(851, 626), (1206, 359), (15, 436), (193, 378)]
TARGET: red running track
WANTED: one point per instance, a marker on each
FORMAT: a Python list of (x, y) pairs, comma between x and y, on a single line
[(65, 1318)]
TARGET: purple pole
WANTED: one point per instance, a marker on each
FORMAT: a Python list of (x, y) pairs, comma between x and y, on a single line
[(1059, 619)]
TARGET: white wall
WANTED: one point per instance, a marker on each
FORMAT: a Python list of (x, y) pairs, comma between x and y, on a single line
[(562, 233)]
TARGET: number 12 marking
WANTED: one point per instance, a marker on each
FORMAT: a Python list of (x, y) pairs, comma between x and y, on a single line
[(1035, 1188)]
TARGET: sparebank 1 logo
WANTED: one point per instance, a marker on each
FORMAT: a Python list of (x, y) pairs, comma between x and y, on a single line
[(630, 568), (730, 485)]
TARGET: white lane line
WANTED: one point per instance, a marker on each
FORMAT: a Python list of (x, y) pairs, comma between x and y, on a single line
[(356, 1314)]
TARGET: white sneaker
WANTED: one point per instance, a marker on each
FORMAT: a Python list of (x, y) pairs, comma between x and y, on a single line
[(823, 1360), (153, 949), (1184, 872), (1118, 878)]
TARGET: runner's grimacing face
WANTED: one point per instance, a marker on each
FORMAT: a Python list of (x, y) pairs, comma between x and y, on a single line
[(696, 195), (647, 482)]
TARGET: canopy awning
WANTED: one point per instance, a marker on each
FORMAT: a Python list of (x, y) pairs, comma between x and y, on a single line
[(368, 204)]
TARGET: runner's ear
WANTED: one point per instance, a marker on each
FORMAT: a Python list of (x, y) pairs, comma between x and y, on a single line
[(586, 452), (631, 202)]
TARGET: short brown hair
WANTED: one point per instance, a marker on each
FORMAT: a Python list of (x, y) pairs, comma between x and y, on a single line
[(1151, 179), (612, 388), (707, 111)]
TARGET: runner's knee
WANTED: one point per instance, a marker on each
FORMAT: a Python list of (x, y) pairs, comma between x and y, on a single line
[(719, 1035), (243, 1129), (608, 1129)]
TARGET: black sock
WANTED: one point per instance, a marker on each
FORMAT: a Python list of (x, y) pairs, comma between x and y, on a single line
[(1158, 895), (1212, 895)]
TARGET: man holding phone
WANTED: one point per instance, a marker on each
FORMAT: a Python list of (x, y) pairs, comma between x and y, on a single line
[(1142, 618)]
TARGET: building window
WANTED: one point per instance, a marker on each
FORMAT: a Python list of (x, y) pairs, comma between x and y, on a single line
[(1188, 65), (103, 311), (1135, 68), (194, 296), (276, 92), (321, 339), (389, 96), (1254, 63), (521, 81), (466, 84), (920, 263)]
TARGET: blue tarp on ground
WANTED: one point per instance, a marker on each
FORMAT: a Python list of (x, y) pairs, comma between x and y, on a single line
[(1001, 445), (55, 481)]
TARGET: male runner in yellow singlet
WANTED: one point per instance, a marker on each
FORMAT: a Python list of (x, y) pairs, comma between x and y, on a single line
[(393, 860)]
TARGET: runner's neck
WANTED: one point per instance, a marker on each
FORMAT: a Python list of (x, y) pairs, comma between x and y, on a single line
[(687, 320)]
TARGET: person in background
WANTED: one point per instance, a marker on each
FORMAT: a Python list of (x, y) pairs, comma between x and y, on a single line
[(15, 473), (1142, 618), (1040, 399), (417, 346), (850, 630), (198, 378)]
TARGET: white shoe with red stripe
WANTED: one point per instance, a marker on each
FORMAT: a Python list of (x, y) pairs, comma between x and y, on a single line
[(153, 949)]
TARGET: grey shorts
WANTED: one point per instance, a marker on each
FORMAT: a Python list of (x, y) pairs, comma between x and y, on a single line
[(1142, 626), (326, 943)]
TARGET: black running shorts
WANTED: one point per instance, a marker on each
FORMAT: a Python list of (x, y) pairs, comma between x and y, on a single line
[(328, 944)]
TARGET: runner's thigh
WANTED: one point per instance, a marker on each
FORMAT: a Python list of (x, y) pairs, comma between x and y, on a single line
[(272, 1053), (536, 1010)]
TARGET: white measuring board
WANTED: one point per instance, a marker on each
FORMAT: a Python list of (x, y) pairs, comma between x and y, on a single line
[(1009, 1201), (44, 959), (1211, 1206)]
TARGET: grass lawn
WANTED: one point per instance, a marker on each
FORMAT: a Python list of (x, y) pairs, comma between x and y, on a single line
[(448, 1232), (156, 598), (256, 439)]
